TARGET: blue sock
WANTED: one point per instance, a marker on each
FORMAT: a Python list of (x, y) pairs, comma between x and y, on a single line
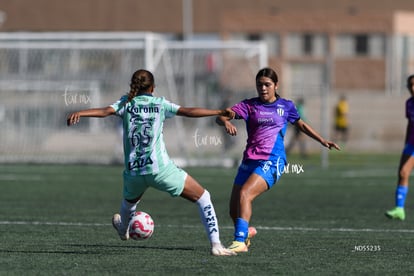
[(400, 195), (241, 230)]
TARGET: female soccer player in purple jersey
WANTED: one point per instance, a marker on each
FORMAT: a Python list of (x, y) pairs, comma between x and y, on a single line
[(264, 157), (407, 158)]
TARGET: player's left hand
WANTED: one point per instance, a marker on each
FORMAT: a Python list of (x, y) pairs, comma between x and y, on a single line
[(330, 145)]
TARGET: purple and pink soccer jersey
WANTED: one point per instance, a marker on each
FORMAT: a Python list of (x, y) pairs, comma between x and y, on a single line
[(266, 127)]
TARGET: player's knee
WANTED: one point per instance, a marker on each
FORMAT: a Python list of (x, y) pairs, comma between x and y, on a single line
[(245, 197), (404, 173)]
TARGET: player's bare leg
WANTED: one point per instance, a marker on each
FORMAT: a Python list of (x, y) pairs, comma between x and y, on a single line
[(241, 211)]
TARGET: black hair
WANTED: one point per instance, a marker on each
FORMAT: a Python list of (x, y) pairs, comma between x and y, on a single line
[(141, 81), (268, 73)]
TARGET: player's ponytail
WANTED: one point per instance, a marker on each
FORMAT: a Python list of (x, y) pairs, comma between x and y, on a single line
[(141, 81)]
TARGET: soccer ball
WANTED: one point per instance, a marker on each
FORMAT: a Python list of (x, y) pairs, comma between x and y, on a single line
[(141, 226)]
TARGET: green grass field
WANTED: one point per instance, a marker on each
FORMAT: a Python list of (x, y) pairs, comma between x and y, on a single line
[(55, 220)]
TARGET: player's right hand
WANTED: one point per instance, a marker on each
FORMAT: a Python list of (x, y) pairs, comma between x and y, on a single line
[(73, 119), (230, 128)]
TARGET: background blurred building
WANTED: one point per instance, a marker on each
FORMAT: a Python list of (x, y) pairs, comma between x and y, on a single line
[(359, 45), (320, 49)]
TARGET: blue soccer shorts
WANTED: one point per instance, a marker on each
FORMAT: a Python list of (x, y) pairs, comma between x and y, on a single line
[(270, 171), (408, 150)]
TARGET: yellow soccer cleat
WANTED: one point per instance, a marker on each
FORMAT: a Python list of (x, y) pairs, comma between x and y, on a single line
[(238, 247)]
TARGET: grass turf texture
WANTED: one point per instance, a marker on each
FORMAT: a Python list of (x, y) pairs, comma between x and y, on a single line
[(55, 220)]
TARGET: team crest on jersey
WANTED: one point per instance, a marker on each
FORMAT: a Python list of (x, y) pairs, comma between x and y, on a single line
[(280, 111)]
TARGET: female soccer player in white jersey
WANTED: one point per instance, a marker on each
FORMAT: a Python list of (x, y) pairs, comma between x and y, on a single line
[(147, 163), (264, 158), (406, 160)]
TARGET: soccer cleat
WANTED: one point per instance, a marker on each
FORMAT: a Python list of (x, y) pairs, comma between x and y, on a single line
[(396, 213), (219, 250), (116, 223), (238, 247), (251, 234)]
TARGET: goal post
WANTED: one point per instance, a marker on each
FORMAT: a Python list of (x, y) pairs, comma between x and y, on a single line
[(45, 76)]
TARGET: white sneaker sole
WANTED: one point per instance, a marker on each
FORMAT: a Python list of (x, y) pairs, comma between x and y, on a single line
[(116, 221), (222, 251)]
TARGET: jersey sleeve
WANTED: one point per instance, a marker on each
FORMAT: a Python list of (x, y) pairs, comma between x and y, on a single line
[(241, 109), (119, 106), (170, 108), (293, 114)]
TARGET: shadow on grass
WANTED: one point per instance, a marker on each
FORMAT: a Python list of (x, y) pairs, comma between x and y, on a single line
[(95, 249), (132, 246)]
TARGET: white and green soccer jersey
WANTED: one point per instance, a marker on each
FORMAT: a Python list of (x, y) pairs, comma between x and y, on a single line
[(143, 120)]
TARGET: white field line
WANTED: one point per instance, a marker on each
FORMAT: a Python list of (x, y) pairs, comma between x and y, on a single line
[(268, 228)]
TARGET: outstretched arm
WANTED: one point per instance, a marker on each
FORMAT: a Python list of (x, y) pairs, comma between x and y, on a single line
[(94, 112), (308, 130), (204, 112)]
